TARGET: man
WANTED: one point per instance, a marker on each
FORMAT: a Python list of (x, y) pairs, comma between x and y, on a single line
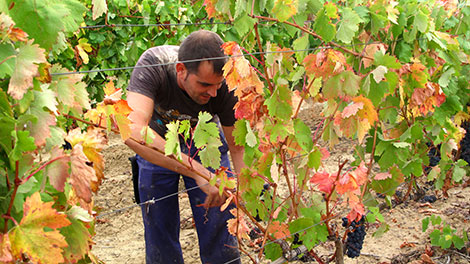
[(175, 91)]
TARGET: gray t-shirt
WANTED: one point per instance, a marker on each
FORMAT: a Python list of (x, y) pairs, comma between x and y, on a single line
[(171, 102)]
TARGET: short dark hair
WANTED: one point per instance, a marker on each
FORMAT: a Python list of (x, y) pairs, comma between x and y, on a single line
[(202, 44)]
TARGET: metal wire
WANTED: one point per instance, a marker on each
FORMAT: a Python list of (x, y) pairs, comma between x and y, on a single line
[(149, 202), (205, 59), (156, 25)]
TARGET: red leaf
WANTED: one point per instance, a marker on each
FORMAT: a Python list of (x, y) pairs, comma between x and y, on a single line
[(382, 176), (324, 180)]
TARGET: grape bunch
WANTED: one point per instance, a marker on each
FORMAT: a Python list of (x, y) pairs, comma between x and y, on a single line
[(465, 143), (356, 235)]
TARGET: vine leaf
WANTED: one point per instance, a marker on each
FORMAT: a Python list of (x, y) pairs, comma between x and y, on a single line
[(92, 143), (206, 136), (99, 7), (40, 129), (238, 228), (348, 26), (79, 240), (324, 181), (82, 174), (279, 230), (284, 9), (30, 238), (5, 249), (172, 144), (58, 171), (27, 58), (324, 63), (210, 8)]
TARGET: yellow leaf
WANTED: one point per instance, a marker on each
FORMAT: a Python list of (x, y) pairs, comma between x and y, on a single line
[(29, 237), (124, 125), (83, 54)]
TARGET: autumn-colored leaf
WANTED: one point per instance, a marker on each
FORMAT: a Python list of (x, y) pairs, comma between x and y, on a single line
[(238, 228), (351, 109), (99, 7), (324, 181), (30, 238), (357, 207), (5, 249), (122, 108), (82, 174), (382, 176), (124, 125), (210, 8), (27, 58), (425, 100), (92, 142), (370, 51), (351, 181), (278, 230), (325, 63), (58, 171), (284, 9)]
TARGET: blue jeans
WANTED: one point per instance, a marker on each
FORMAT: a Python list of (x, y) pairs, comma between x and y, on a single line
[(162, 219)]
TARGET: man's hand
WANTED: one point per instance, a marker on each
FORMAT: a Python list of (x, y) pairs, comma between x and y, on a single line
[(213, 198)]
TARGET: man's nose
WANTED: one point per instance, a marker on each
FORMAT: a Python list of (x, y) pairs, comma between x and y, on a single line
[(212, 90)]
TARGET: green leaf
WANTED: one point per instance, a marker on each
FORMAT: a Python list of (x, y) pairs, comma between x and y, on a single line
[(435, 237), (42, 20), (210, 155), (458, 174), (22, 143), (303, 135), (348, 25), (240, 8), (251, 139), (342, 84), (386, 60), (314, 159), (425, 224), (445, 77), (240, 132), (323, 26), (7, 56), (421, 21), (301, 43), (243, 24), (278, 104), (78, 239), (206, 132), (172, 144), (273, 251), (458, 242), (284, 9)]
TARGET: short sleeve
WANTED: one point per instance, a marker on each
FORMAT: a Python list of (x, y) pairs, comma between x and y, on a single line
[(147, 80)]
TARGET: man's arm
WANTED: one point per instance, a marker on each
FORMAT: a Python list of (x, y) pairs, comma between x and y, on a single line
[(142, 107), (236, 152)]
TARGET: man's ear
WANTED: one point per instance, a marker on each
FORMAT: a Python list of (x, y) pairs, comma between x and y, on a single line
[(180, 68)]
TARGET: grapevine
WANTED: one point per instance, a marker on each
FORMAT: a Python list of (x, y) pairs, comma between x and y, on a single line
[(392, 76)]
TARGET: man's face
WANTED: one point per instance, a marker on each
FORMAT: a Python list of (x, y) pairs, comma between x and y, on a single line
[(200, 86)]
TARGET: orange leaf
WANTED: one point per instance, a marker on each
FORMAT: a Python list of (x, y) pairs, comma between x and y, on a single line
[(210, 8), (279, 230), (231, 48), (370, 51), (29, 237), (352, 109), (238, 228), (124, 125), (122, 108)]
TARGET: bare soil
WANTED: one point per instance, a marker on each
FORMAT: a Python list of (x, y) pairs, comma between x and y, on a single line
[(120, 233)]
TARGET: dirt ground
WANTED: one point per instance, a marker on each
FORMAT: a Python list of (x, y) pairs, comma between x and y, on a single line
[(120, 233)]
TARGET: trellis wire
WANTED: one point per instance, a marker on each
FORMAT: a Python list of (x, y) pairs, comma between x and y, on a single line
[(205, 59), (155, 25), (148, 202)]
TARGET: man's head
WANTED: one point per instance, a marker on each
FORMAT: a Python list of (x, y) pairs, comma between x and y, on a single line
[(201, 79)]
